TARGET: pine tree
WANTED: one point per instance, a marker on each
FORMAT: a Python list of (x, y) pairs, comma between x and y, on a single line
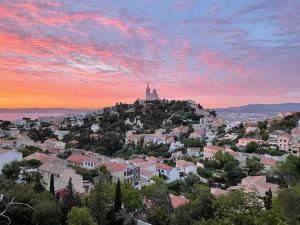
[(52, 189), (70, 199)]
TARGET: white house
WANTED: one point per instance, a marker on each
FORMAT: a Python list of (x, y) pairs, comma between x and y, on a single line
[(186, 166), (175, 145), (7, 156), (82, 160), (193, 152), (283, 142), (170, 172)]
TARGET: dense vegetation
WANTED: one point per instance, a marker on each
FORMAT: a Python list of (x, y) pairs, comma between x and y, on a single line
[(111, 135), (286, 124), (228, 171), (122, 204), (253, 147)]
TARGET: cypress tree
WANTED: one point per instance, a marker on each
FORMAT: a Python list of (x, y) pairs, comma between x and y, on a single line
[(118, 197), (52, 189), (114, 216)]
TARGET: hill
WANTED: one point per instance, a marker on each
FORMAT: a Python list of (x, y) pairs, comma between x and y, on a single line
[(262, 108)]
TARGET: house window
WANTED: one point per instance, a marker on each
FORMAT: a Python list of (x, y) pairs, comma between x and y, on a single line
[(124, 173)]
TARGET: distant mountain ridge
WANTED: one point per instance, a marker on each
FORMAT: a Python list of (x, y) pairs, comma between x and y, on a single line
[(42, 110), (262, 108)]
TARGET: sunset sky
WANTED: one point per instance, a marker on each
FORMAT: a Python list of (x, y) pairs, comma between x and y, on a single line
[(90, 54)]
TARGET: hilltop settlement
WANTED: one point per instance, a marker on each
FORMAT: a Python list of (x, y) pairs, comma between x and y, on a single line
[(151, 162)]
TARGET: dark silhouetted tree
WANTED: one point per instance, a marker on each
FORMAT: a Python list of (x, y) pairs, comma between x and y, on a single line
[(268, 200), (52, 189), (70, 199)]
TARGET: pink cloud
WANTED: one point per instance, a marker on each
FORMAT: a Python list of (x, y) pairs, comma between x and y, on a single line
[(213, 61), (144, 32)]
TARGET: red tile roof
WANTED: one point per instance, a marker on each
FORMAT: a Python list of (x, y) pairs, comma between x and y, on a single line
[(146, 173), (115, 167), (136, 160), (215, 148), (153, 158), (163, 166), (77, 158), (44, 158), (184, 163), (268, 161), (177, 201)]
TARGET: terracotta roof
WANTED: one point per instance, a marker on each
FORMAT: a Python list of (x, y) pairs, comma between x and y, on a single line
[(218, 192), (259, 184), (268, 161), (146, 173), (163, 166), (137, 160), (78, 158), (44, 158), (177, 201), (153, 158), (184, 163), (147, 164), (115, 167)]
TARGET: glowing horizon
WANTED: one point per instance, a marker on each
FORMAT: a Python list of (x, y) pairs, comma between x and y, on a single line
[(79, 54)]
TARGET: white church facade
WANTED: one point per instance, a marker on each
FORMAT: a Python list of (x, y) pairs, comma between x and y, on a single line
[(151, 96)]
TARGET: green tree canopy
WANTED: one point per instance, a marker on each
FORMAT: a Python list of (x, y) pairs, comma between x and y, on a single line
[(80, 216), (47, 213)]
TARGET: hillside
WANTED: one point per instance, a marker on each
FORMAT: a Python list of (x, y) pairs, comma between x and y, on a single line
[(262, 108), (115, 121)]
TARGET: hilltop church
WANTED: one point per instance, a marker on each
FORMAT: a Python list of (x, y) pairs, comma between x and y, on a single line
[(151, 96)]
